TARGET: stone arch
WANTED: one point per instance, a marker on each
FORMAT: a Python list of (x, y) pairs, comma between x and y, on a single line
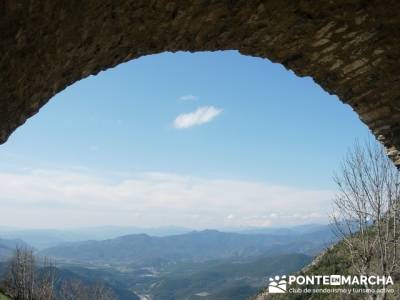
[(349, 47)]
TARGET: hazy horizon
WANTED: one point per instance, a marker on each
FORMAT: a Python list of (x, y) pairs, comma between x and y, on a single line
[(168, 227)]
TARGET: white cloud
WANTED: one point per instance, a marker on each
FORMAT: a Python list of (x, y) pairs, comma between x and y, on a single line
[(57, 198), (188, 98), (200, 116)]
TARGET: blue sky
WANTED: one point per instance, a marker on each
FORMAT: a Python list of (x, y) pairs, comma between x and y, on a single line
[(260, 124)]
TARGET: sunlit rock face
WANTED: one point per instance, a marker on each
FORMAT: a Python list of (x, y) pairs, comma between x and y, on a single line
[(350, 48)]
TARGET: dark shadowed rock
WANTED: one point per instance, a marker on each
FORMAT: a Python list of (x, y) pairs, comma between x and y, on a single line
[(350, 48)]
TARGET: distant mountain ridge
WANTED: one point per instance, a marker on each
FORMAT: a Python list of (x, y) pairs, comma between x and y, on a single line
[(142, 249), (45, 238), (207, 264), (7, 247)]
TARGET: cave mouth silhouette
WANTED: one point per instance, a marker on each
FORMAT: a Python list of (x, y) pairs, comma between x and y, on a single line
[(349, 49)]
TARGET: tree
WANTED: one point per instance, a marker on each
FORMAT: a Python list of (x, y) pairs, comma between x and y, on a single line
[(29, 278), (366, 212), (20, 281), (45, 280), (26, 280)]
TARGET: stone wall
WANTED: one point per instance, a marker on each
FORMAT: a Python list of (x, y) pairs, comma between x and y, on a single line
[(349, 47)]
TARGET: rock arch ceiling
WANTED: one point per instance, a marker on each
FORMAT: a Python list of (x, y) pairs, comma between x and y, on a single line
[(349, 47)]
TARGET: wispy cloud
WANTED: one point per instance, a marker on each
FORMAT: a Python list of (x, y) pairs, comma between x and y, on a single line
[(57, 198), (200, 116), (188, 98)]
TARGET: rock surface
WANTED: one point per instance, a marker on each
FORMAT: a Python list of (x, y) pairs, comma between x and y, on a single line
[(349, 47)]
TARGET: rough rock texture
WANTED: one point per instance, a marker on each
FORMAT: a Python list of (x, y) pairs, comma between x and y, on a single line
[(350, 47)]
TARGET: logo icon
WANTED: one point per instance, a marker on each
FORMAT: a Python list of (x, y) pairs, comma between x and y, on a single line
[(335, 279), (277, 285)]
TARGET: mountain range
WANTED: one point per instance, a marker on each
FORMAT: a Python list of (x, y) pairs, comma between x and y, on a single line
[(142, 249), (185, 264)]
